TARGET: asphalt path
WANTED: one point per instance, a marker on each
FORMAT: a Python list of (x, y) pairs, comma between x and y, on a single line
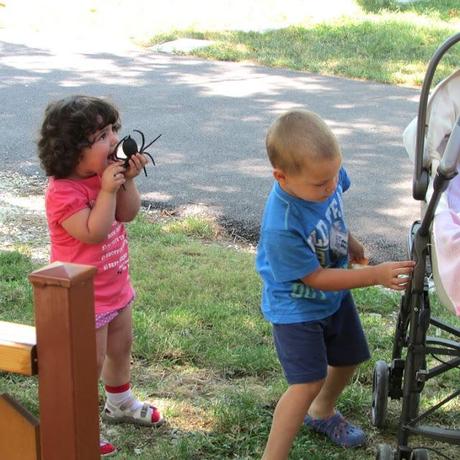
[(213, 117)]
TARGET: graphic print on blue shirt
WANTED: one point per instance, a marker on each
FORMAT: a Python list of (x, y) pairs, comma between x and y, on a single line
[(330, 235), (297, 237)]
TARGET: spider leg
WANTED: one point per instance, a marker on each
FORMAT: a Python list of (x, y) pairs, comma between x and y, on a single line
[(142, 137), (147, 146), (145, 172), (150, 156)]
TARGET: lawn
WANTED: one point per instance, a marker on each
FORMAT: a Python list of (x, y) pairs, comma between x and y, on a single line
[(378, 40), (204, 353)]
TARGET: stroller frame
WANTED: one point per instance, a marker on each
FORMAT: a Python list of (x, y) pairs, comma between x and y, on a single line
[(406, 376)]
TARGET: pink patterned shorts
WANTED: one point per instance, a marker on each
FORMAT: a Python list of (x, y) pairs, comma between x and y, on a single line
[(105, 318)]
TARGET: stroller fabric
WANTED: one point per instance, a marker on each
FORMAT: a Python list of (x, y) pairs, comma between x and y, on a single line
[(443, 110)]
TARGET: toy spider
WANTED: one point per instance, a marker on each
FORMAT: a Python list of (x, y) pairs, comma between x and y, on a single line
[(129, 147)]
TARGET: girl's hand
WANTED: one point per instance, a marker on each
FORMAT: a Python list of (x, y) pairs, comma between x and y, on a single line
[(394, 275), (137, 163), (113, 177)]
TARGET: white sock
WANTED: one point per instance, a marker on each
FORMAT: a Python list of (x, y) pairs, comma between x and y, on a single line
[(125, 398)]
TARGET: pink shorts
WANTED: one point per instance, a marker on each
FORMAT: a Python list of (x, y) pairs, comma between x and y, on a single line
[(105, 318)]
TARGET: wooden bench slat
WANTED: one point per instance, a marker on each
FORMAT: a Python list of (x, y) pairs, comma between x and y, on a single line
[(19, 431), (18, 352)]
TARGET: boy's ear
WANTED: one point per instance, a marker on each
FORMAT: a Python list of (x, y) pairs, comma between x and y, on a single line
[(279, 175)]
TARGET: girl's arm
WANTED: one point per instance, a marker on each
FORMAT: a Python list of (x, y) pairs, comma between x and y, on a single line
[(91, 226), (386, 274), (128, 198), (128, 202)]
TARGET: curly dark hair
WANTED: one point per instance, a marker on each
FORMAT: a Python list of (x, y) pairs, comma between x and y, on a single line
[(66, 129)]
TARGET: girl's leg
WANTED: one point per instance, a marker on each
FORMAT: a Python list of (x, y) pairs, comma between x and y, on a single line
[(121, 404), (117, 365), (323, 406), (288, 418), (105, 447), (101, 348)]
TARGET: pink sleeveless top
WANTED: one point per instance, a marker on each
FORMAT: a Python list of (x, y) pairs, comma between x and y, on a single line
[(112, 285)]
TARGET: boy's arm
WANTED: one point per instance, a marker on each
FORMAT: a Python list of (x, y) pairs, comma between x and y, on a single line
[(386, 274), (91, 226), (128, 198)]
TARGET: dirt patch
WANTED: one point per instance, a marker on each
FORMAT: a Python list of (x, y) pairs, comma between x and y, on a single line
[(23, 225), (22, 215)]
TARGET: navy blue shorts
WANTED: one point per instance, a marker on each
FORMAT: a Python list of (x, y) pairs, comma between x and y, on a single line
[(306, 349)]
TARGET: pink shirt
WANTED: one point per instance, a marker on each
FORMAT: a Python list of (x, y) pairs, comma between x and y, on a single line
[(112, 285)]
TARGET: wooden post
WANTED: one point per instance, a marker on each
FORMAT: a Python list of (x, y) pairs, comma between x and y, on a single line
[(67, 369)]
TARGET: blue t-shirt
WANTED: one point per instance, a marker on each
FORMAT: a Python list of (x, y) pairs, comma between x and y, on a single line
[(296, 238)]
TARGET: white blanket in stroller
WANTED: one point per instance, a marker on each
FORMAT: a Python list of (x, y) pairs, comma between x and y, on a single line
[(443, 110), (445, 243)]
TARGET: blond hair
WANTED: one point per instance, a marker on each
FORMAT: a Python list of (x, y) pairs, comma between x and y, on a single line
[(297, 138)]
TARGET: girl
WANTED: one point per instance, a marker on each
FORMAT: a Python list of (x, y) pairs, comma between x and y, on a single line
[(88, 197)]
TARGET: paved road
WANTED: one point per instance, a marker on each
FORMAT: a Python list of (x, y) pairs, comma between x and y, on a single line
[(213, 117)]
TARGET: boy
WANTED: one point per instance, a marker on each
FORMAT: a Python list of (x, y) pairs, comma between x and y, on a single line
[(302, 258)]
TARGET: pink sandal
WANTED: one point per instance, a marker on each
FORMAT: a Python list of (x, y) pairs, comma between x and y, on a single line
[(106, 449)]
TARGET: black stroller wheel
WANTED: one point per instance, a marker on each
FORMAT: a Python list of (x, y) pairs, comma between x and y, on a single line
[(384, 452), (419, 454), (380, 386)]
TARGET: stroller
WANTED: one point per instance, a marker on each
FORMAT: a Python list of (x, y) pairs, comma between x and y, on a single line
[(432, 140)]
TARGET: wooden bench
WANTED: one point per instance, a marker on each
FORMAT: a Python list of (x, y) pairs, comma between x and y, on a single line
[(61, 348), (18, 348)]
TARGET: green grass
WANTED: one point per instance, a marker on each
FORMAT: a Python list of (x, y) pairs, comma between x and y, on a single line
[(393, 45), (204, 353)]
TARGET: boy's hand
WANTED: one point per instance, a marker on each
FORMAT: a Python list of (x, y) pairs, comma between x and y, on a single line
[(137, 163), (394, 275), (113, 177)]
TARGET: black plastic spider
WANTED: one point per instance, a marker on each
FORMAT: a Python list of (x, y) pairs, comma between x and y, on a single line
[(129, 147)]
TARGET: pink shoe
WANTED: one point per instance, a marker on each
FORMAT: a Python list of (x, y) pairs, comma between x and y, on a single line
[(106, 449)]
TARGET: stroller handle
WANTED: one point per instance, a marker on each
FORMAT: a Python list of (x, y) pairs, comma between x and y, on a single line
[(421, 175)]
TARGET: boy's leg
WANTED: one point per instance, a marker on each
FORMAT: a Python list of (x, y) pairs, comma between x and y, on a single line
[(323, 406), (288, 417), (302, 354), (346, 348)]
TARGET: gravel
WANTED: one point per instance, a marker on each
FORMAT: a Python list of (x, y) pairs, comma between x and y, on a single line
[(23, 225), (22, 216)]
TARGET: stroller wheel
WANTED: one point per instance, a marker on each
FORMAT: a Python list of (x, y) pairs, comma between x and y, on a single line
[(384, 452), (380, 385), (419, 454)]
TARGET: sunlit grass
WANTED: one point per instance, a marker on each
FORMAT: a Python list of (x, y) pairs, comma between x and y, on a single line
[(390, 47)]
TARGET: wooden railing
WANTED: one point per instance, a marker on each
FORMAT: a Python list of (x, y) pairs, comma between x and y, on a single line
[(61, 348)]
